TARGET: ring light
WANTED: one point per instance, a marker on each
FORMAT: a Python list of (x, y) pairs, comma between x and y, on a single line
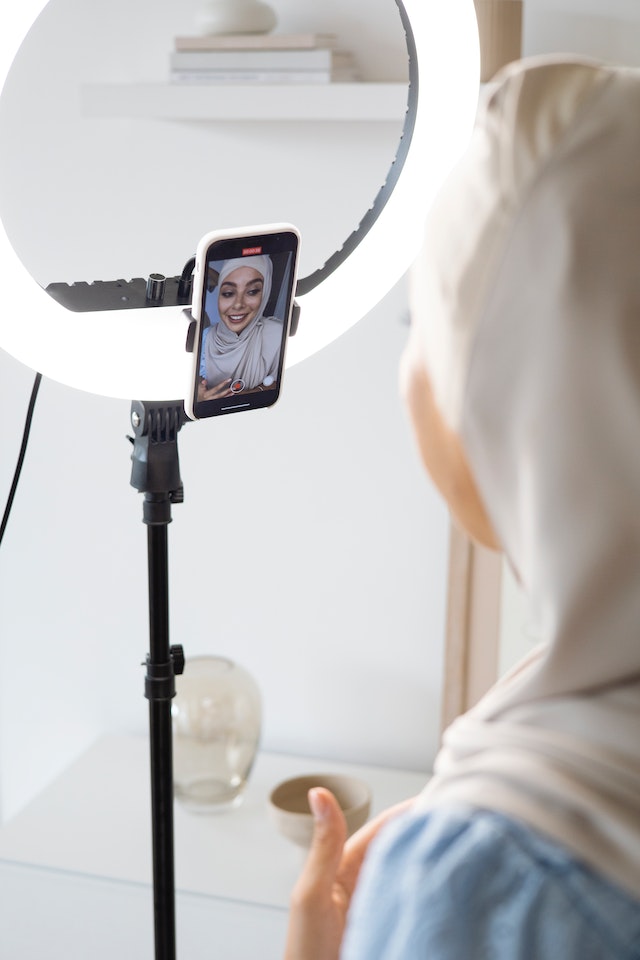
[(141, 351)]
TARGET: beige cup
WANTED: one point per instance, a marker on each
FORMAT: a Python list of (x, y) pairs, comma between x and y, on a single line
[(290, 811)]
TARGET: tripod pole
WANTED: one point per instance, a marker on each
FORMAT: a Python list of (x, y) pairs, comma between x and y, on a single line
[(159, 689), (156, 473)]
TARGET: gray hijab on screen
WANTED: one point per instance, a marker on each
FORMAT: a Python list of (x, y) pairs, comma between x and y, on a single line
[(527, 300), (252, 354)]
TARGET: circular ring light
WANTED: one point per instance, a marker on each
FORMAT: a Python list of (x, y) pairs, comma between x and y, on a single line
[(142, 351)]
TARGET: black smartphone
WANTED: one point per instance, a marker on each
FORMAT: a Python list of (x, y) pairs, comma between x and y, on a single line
[(244, 284)]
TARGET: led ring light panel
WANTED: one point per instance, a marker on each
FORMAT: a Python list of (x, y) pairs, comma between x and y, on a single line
[(142, 351)]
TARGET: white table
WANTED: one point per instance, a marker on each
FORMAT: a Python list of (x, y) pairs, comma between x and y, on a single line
[(75, 864)]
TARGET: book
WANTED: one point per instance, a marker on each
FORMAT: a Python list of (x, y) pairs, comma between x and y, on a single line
[(240, 77), (257, 41), (249, 60)]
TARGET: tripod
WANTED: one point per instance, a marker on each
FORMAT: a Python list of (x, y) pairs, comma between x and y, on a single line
[(156, 474)]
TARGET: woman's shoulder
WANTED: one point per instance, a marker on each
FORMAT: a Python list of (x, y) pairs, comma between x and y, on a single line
[(272, 322), (437, 883), (272, 329)]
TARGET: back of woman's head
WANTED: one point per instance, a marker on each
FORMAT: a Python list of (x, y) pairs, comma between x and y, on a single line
[(526, 306)]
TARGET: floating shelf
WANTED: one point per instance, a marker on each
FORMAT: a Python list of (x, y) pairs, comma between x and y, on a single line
[(165, 101)]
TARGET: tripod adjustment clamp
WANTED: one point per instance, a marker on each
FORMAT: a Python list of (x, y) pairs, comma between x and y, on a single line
[(159, 683)]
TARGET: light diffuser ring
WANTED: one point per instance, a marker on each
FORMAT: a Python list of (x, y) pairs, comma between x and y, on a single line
[(142, 351)]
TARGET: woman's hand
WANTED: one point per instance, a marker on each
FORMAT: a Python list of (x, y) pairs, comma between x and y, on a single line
[(213, 393), (321, 897)]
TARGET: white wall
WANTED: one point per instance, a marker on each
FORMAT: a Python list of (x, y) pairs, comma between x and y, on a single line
[(337, 606), (605, 29)]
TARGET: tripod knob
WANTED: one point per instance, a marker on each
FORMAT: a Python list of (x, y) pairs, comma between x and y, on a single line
[(155, 288), (177, 656)]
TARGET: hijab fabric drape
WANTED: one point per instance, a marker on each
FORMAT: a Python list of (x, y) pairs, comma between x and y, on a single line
[(253, 353), (527, 298)]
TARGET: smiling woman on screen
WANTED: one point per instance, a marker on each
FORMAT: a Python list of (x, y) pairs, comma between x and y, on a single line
[(241, 352)]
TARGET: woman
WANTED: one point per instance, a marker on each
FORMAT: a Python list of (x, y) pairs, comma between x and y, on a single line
[(522, 377), (242, 351)]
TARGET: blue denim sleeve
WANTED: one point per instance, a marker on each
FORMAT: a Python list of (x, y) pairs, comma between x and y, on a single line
[(473, 885)]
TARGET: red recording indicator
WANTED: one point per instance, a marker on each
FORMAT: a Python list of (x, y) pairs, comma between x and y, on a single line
[(248, 251)]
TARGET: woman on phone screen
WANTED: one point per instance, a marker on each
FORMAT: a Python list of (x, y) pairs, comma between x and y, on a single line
[(241, 352)]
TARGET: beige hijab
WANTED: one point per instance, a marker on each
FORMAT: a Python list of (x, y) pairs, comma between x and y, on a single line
[(527, 299)]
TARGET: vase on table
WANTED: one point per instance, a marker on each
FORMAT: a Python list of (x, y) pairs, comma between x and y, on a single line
[(216, 718)]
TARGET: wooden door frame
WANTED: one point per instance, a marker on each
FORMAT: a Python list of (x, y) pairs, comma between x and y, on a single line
[(472, 640), (472, 650)]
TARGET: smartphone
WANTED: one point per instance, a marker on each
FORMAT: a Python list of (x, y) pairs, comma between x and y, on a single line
[(244, 283)]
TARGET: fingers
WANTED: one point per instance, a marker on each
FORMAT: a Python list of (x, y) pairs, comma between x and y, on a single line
[(329, 835), (220, 390), (215, 393), (322, 895), (356, 847), (316, 920)]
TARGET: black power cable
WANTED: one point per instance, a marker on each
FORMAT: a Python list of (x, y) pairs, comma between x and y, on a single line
[(21, 455)]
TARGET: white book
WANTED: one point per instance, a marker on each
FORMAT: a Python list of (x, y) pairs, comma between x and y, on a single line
[(250, 77), (260, 60), (257, 41)]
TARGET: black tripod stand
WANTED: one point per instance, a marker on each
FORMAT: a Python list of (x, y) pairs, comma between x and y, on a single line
[(156, 473)]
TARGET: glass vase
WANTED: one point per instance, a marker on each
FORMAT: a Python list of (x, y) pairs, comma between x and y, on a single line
[(216, 716)]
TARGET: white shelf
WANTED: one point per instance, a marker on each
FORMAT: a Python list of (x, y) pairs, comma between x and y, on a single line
[(165, 101)]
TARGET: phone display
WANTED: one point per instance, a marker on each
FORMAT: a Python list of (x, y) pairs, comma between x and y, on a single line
[(242, 301)]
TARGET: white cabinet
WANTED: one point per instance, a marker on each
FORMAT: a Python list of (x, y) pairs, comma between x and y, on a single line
[(75, 864)]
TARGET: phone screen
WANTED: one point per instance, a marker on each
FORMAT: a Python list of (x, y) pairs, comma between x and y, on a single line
[(245, 289)]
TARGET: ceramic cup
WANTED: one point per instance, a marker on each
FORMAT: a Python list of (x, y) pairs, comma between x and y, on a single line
[(290, 811)]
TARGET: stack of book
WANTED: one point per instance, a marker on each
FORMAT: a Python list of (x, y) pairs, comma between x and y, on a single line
[(261, 58)]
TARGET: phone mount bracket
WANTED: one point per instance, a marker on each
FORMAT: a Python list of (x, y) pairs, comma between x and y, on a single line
[(156, 291)]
